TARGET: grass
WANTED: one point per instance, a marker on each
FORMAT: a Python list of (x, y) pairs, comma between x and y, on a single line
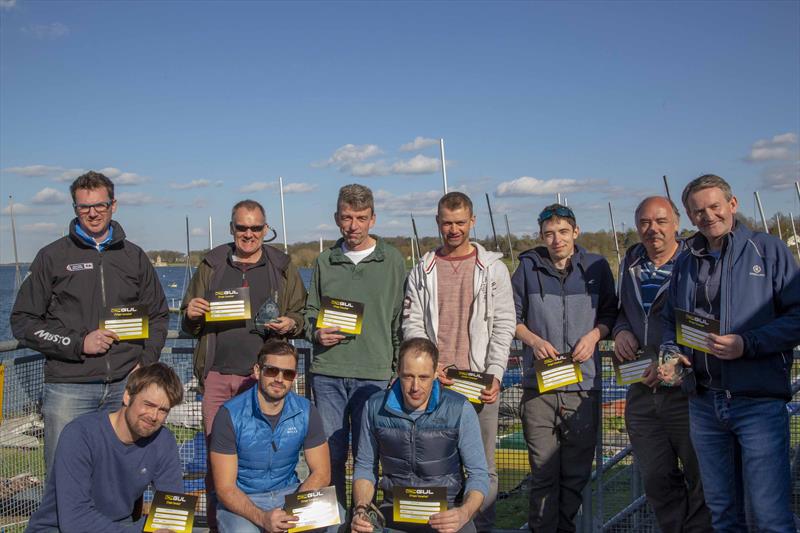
[(512, 512)]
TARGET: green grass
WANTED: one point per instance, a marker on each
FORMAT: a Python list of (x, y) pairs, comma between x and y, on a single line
[(16, 461), (182, 434), (512, 512)]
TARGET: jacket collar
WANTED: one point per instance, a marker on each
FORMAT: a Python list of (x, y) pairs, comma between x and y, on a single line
[(541, 258), (735, 241), (224, 252), (637, 253), (394, 398), (483, 260), (290, 407), (115, 235), (337, 255)]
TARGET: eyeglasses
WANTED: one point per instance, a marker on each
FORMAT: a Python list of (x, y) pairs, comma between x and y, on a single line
[(243, 229), (560, 211), (273, 371), (100, 207)]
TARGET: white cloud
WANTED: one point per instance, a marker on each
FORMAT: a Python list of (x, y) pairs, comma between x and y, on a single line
[(199, 203), (527, 186), (42, 227), (779, 178), (418, 144), (418, 202), (419, 164), (7, 4), (122, 178), (371, 169), (257, 186), (346, 156), (19, 209), (53, 30), (297, 188), (325, 227), (32, 171), (50, 196), (779, 148), (194, 184), (136, 198), (198, 232), (69, 174), (219, 183)]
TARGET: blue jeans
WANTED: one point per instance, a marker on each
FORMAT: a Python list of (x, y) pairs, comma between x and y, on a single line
[(340, 402), (63, 402), (742, 445), (233, 523)]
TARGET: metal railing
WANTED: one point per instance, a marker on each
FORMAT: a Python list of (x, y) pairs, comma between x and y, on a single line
[(613, 501)]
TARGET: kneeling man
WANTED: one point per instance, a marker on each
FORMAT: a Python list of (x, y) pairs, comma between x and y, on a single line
[(424, 436), (104, 462), (255, 446)]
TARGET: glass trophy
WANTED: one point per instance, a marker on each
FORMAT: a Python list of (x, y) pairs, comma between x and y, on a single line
[(267, 313)]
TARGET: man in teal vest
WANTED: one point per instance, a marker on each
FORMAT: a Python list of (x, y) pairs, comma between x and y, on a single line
[(424, 436), (255, 445)]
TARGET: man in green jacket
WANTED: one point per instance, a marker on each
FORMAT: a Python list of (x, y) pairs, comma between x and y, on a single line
[(348, 368)]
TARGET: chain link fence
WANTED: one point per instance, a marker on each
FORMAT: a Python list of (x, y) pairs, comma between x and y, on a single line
[(614, 502)]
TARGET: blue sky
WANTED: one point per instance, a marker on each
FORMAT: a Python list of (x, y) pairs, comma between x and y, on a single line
[(191, 106)]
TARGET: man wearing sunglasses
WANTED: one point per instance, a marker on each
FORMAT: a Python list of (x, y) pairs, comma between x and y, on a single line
[(256, 443), (226, 353), (459, 296), (565, 302), (72, 285)]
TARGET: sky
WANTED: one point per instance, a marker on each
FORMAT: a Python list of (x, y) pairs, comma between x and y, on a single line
[(192, 106)]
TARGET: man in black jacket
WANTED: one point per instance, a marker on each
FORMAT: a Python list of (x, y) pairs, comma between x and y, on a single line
[(73, 284), (657, 415)]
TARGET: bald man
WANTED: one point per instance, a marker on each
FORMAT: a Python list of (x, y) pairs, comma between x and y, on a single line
[(657, 415)]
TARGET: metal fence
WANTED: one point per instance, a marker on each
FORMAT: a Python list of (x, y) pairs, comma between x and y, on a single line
[(613, 502)]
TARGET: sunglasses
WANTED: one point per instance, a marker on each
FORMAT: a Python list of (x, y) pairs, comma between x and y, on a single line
[(273, 371), (560, 211), (99, 207), (243, 229)]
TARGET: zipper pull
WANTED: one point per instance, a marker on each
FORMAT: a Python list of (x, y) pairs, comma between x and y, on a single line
[(727, 394)]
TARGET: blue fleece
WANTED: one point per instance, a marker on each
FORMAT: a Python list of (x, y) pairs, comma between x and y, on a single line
[(563, 311), (759, 300), (96, 478)]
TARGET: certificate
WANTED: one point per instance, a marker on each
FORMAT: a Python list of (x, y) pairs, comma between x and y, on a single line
[(416, 504), (313, 508), (129, 322), (468, 383), (554, 373), (229, 304), (346, 315), (692, 330), (171, 511), (628, 372)]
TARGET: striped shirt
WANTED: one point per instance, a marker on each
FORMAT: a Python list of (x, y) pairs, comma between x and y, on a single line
[(651, 279)]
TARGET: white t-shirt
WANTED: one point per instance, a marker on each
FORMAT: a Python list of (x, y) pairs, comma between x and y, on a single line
[(357, 256)]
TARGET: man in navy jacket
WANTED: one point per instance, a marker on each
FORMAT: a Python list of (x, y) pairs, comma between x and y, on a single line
[(738, 388)]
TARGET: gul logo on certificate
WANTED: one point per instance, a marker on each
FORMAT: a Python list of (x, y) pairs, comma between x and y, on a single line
[(343, 314), (468, 383), (628, 372), (313, 508), (416, 504), (554, 373), (129, 322), (692, 330), (171, 511), (229, 304)]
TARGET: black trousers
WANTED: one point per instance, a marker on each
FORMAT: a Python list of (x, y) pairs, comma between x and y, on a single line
[(658, 428)]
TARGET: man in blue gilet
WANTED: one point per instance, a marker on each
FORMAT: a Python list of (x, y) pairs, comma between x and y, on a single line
[(255, 446)]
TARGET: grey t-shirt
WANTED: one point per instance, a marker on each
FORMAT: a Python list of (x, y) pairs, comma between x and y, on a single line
[(223, 436)]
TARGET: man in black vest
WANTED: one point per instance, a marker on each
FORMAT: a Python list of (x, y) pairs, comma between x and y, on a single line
[(444, 438)]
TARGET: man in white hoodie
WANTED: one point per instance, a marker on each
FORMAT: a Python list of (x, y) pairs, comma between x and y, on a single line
[(459, 296)]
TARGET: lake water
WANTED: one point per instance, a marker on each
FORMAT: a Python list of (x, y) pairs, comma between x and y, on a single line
[(173, 280)]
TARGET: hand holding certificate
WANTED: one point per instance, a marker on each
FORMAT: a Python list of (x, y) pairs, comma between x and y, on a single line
[(229, 304), (170, 511), (129, 322), (552, 373), (415, 505), (313, 508), (343, 314), (628, 372), (468, 383)]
